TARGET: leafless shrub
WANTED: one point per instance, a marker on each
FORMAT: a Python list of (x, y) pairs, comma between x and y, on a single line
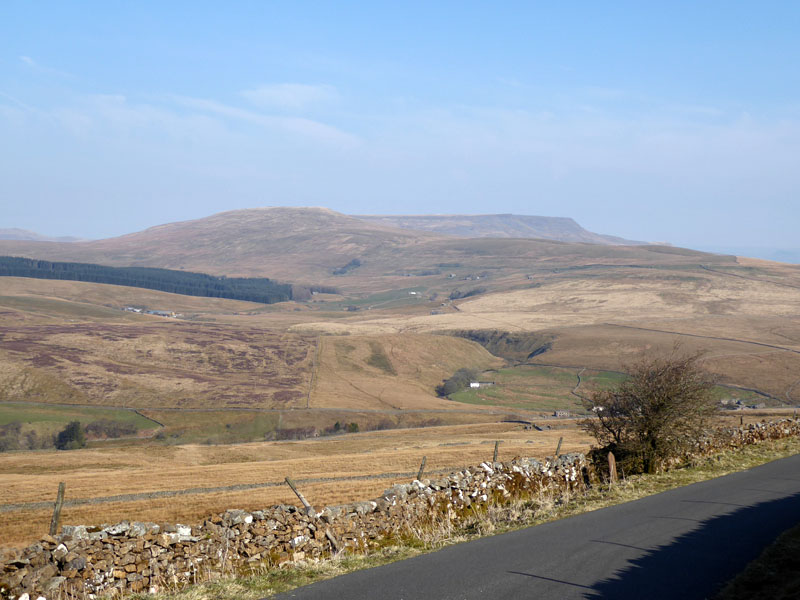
[(656, 415)]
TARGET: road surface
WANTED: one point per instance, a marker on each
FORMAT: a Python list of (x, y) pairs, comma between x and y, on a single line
[(684, 543)]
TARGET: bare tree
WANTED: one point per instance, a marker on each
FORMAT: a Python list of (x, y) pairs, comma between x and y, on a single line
[(658, 413)]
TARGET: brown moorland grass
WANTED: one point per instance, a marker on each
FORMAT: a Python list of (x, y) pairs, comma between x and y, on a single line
[(239, 426), (578, 313), (745, 304), (167, 363), (95, 473), (292, 243), (772, 370), (404, 377), (774, 575), (115, 297), (769, 581), (69, 342), (151, 362), (558, 301), (34, 476)]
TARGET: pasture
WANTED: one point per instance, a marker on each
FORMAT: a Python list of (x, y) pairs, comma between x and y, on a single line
[(352, 459)]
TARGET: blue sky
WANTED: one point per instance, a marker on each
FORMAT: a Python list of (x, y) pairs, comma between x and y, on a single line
[(677, 123)]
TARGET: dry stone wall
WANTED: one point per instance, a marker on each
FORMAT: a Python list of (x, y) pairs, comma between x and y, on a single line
[(85, 562)]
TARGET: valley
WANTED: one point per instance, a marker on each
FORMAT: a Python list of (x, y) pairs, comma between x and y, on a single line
[(342, 384)]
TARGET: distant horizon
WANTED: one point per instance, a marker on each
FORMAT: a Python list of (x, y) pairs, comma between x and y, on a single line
[(786, 254), (677, 122)]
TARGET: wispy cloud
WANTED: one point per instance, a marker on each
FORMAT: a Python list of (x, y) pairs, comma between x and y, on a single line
[(302, 126), (40, 68), (290, 96), (91, 114), (16, 101), (540, 159)]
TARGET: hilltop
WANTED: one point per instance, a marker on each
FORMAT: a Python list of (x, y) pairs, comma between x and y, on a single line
[(320, 246), (288, 243), (561, 229), (15, 233), (412, 307), (544, 321)]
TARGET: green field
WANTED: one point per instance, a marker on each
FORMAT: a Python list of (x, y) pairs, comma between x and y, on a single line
[(29, 426), (29, 413), (214, 426), (64, 308), (537, 388), (547, 389), (387, 299), (746, 396)]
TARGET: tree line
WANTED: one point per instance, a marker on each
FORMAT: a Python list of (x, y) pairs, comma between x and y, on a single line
[(73, 436), (250, 289), (458, 381)]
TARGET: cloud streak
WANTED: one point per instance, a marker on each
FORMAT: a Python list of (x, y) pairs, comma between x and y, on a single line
[(300, 126), (601, 167), (39, 68), (290, 96)]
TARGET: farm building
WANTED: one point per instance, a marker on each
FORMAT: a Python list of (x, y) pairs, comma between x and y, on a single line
[(480, 384)]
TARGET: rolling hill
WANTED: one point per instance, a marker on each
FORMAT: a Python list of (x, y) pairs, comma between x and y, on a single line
[(308, 245), (14, 233), (560, 229), (371, 348)]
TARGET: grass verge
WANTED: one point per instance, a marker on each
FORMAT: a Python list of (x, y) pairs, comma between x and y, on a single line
[(775, 575), (265, 581)]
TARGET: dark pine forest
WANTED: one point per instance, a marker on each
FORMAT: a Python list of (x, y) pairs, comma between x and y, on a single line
[(251, 289)]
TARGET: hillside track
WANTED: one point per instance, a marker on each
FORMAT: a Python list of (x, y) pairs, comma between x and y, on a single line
[(684, 543), (243, 409), (779, 283), (706, 337), (729, 386), (574, 391)]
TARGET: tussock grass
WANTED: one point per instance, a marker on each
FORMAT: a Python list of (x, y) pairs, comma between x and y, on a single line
[(499, 518), (775, 575), (266, 582), (379, 360), (101, 472)]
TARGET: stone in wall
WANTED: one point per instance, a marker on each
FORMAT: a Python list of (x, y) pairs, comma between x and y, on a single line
[(133, 556)]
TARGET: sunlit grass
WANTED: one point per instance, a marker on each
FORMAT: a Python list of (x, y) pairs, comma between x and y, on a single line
[(775, 575), (498, 519)]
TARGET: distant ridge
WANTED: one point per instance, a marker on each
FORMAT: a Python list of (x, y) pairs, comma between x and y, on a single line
[(14, 233), (320, 247), (562, 229)]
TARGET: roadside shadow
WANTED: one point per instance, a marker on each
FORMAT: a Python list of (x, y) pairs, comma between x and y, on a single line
[(698, 563)]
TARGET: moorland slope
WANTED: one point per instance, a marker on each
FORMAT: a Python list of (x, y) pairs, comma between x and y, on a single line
[(561, 229), (319, 246), (545, 320), (599, 305)]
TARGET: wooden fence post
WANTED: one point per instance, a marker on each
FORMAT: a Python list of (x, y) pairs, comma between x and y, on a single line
[(56, 520), (558, 449), (612, 468), (421, 468), (309, 509), (496, 447)]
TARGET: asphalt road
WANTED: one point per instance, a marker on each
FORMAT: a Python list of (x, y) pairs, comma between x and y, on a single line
[(681, 544)]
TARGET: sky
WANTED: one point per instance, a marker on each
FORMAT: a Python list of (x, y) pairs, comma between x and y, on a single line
[(672, 121)]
